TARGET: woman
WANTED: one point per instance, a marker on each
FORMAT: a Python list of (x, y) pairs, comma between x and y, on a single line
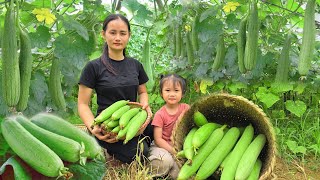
[(114, 77)]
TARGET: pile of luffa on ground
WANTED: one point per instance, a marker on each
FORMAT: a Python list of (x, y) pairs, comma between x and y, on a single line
[(46, 142)]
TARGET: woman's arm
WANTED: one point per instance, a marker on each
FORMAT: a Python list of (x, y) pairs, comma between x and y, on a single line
[(143, 99), (143, 95), (84, 98), (159, 141), (85, 113)]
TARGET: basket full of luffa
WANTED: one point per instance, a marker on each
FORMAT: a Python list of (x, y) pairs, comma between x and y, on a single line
[(231, 111)]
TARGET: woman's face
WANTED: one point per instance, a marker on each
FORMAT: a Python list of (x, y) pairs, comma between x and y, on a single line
[(116, 35)]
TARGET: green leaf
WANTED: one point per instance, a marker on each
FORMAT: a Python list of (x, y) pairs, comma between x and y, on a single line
[(74, 50), (38, 87), (293, 5), (210, 29), (209, 13), (19, 171), (202, 70), (71, 24), (278, 114), (219, 85), (40, 38), (26, 17), (231, 56), (42, 3), (152, 98), (300, 88), (281, 87), (269, 99), (232, 21), (159, 27), (261, 91), (234, 87), (292, 145), (266, 97), (93, 170), (159, 100), (298, 108), (70, 71), (204, 84), (140, 12)]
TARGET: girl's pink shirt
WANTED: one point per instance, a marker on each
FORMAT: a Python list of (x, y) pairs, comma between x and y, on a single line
[(167, 121)]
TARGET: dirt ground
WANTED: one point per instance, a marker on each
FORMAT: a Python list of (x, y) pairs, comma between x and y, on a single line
[(282, 171), (296, 171)]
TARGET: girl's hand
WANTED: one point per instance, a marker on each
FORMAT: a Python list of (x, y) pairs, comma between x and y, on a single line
[(109, 138)]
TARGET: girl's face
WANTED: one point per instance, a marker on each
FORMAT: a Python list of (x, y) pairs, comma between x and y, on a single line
[(116, 35), (171, 93)]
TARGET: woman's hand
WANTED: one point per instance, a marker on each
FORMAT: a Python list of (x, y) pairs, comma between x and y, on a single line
[(148, 109), (109, 138)]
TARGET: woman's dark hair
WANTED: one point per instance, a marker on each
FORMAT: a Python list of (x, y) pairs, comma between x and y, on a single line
[(105, 54), (175, 78)]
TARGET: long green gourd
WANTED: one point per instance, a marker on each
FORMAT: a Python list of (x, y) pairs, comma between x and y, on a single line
[(62, 127), (135, 126), (55, 88), (187, 144), (66, 148), (249, 157), (25, 66), (241, 44), (308, 39), (230, 167), (10, 61), (187, 170), (107, 113), (250, 53), (284, 62), (36, 154), (216, 157), (220, 55)]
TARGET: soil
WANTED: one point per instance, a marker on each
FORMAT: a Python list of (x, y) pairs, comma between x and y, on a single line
[(296, 170), (283, 170)]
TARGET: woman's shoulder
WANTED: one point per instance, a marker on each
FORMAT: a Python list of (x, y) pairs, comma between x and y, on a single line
[(94, 62), (133, 60)]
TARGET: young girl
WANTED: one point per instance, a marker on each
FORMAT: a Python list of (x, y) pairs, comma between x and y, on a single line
[(172, 89)]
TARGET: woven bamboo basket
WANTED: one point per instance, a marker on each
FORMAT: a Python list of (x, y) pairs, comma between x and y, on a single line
[(234, 111)]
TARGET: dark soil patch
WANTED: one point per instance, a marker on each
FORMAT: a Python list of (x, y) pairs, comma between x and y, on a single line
[(296, 170)]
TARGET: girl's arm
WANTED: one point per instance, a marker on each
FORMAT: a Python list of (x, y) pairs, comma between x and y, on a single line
[(160, 142)]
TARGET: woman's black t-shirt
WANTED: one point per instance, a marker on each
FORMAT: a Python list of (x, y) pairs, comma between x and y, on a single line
[(109, 87)]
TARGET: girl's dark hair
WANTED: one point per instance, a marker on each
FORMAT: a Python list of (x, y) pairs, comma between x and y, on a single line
[(175, 78), (105, 54)]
